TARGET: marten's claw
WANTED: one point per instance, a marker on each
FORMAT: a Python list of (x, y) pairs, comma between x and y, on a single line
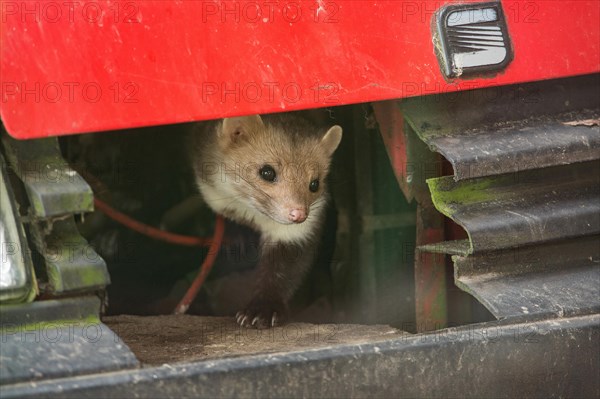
[(261, 315)]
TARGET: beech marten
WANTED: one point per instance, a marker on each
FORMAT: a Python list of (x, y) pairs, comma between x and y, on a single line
[(268, 172)]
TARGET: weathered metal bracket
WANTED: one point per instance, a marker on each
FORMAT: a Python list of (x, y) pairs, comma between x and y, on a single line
[(55, 192)]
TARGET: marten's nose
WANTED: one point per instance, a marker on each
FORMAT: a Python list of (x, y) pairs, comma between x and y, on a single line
[(297, 215)]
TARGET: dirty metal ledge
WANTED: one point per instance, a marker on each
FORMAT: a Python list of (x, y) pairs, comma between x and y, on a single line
[(528, 359)]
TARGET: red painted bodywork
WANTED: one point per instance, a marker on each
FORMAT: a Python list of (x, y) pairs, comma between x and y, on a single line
[(72, 67)]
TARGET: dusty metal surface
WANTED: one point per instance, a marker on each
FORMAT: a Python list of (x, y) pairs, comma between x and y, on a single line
[(526, 189)]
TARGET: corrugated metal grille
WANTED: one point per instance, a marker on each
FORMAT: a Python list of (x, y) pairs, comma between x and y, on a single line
[(526, 189)]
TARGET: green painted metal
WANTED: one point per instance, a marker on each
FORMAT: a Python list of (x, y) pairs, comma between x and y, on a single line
[(393, 246), (373, 264)]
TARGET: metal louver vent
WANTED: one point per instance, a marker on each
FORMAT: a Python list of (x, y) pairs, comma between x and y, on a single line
[(526, 189)]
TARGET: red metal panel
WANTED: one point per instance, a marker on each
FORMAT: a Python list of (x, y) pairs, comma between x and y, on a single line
[(431, 306), (77, 66)]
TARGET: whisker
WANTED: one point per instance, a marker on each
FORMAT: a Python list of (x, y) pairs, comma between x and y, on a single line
[(318, 202), (258, 189), (227, 198)]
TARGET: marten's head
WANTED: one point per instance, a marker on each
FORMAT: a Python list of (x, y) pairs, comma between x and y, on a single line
[(276, 165)]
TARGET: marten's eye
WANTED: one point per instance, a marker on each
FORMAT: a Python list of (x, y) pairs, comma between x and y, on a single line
[(314, 185), (267, 173)]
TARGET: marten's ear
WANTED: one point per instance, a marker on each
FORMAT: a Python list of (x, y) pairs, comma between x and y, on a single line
[(236, 128), (331, 139)]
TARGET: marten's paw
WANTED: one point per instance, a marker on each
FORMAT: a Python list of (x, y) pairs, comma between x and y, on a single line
[(262, 313)]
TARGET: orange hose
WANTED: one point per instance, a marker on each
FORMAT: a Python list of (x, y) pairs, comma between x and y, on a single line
[(213, 246), (207, 265), (150, 231)]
